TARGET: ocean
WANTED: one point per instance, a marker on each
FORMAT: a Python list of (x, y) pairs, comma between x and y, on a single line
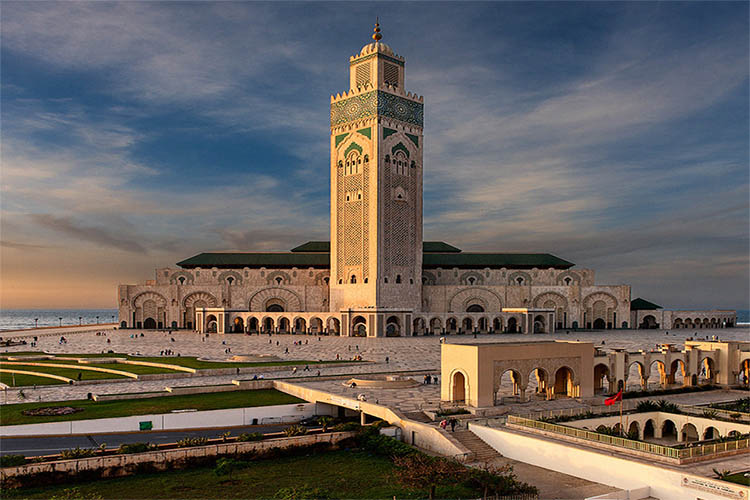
[(14, 319)]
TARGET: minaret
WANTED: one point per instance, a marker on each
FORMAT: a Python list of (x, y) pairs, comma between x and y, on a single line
[(376, 187)]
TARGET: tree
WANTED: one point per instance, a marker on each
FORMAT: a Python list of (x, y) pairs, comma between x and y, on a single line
[(227, 466), (493, 480), (324, 422), (423, 471)]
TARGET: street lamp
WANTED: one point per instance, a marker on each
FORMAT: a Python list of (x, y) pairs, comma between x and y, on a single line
[(36, 322), (113, 318), (97, 320), (80, 318), (60, 318)]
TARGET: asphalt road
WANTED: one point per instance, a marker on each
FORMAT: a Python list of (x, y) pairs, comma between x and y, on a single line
[(45, 445)]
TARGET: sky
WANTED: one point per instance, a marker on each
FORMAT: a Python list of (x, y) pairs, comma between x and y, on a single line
[(137, 134)]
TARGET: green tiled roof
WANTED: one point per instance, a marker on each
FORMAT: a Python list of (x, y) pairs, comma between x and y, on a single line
[(640, 304), (494, 260), (257, 259), (314, 246), (325, 246), (431, 260)]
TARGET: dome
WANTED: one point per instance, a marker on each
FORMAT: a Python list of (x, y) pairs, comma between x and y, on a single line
[(376, 47)]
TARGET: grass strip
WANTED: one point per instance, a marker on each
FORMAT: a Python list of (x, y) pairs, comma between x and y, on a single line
[(71, 372), (23, 380), (341, 474), (12, 414)]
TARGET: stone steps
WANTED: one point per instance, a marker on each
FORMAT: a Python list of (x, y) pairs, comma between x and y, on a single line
[(481, 450), (418, 416)]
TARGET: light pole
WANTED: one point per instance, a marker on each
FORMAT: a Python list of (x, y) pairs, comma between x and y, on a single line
[(97, 320), (60, 318), (80, 319), (113, 318), (36, 322)]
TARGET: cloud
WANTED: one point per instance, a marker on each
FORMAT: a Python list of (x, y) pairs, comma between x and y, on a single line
[(97, 235)]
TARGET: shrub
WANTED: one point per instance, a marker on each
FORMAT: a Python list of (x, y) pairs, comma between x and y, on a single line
[(498, 481), (452, 411), (135, 448), (12, 460), (647, 405), (295, 430), (668, 407), (75, 494), (347, 427), (250, 436), (325, 422), (303, 492), (77, 452), (188, 441), (710, 413), (371, 440)]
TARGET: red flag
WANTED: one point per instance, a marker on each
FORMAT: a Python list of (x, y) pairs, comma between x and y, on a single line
[(614, 399)]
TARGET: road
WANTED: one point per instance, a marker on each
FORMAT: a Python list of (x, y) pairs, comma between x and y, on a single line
[(46, 445)]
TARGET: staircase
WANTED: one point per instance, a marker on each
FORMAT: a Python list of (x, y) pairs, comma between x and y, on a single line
[(419, 416), (482, 451)]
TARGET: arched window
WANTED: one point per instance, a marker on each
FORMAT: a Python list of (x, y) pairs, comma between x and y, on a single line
[(411, 281), (385, 279), (398, 278), (279, 279), (341, 164), (472, 280), (387, 158), (519, 280), (567, 281), (365, 280), (341, 281), (367, 158), (230, 280), (353, 279), (182, 280), (413, 164)]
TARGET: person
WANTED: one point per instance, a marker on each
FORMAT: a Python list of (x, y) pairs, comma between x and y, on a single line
[(352, 385), (294, 370), (255, 377), (286, 350), (453, 424), (443, 424), (337, 357), (318, 374), (387, 360), (307, 368), (80, 376), (435, 380), (238, 370)]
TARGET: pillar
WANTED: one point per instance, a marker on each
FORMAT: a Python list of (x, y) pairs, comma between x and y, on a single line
[(362, 418)]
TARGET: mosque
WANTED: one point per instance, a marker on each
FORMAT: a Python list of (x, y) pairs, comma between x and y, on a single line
[(377, 277)]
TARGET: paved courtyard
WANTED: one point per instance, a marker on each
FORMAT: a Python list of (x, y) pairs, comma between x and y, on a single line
[(403, 353)]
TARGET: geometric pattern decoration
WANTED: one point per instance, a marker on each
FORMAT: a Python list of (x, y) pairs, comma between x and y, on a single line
[(413, 139), (367, 132), (290, 299), (340, 138), (387, 132), (381, 55), (377, 103), (353, 145), (400, 147)]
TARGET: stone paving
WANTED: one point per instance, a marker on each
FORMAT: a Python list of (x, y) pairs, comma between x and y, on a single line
[(404, 353)]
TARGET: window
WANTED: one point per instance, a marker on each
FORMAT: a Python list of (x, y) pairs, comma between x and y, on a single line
[(567, 281), (353, 279), (387, 158), (398, 278), (385, 280), (279, 280), (365, 280), (182, 280), (326, 280), (341, 281), (519, 280), (362, 74), (472, 280), (390, 74), (230, 280), (411, 281)]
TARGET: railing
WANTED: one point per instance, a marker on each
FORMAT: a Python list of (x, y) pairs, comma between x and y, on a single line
[(701, 411), (630, 444), (654, 449)]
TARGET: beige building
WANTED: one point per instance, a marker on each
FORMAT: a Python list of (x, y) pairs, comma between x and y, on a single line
[(376, 276), (471, 373)]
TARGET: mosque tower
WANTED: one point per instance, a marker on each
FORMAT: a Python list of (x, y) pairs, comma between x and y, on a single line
[(376, 188)]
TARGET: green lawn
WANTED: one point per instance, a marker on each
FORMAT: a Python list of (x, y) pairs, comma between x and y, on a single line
[(738, 478), (136, 369), (23, 380), (192, 361), (11, 414), (71, 372), (342, 474)]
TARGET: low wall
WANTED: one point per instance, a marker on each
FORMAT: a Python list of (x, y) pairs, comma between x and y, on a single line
[(168, 421), (628, 474), (118, 465)]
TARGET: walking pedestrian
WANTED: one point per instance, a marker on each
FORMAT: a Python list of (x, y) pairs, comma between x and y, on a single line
[(387, 360), (453, 423), (443, 424)]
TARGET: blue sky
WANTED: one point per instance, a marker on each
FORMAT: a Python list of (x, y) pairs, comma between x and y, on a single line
[(614, 135)]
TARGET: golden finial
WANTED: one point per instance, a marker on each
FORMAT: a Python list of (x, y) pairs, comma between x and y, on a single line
[(377, 36)]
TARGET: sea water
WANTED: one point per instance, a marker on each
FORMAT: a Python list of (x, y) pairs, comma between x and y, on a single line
[(16, 319)]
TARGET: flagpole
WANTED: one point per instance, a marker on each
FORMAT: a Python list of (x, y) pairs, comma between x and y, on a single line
[(622, 431)]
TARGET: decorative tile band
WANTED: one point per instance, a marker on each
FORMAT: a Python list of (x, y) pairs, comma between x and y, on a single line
[(377, 103)]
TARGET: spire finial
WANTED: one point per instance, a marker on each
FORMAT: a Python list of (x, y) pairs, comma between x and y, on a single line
[(376, 35)]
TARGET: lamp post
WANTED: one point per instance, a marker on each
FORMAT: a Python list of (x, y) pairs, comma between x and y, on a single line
[(60, 318), (97, 320), (113, 318), (80, 320), (36, 322)]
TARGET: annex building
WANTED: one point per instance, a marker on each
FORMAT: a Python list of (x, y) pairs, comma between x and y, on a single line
[(377, 277)]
